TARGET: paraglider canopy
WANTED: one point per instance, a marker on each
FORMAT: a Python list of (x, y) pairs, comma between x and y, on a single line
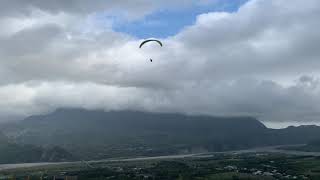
[(150, 40)]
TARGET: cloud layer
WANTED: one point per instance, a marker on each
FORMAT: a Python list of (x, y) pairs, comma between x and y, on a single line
[(262, 60)]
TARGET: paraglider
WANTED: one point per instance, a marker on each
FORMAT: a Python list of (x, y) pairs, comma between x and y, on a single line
[(150, 40)]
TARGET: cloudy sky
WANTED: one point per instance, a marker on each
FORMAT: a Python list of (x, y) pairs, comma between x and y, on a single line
[(256, 58)]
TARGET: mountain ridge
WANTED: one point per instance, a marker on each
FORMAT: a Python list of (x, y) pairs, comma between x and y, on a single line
[(100, 134)]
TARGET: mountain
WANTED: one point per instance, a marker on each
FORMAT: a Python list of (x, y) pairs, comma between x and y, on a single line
[(3, 139), (100, 134), (295, 135), (313, 146), (11, 152)]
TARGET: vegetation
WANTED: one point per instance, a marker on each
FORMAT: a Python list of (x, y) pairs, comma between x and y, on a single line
[(250, 166)]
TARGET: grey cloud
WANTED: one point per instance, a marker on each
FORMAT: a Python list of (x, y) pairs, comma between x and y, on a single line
[(14, 7), (29, 41), (129, 9), (266, 100)]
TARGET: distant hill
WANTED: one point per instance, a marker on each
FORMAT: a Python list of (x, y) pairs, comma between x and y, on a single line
[(14, 153), (3, 139), (295, 135), (313, 146), (99, 134)]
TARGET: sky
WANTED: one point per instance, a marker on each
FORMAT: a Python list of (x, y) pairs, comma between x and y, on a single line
[(255, 58), (168, 22)]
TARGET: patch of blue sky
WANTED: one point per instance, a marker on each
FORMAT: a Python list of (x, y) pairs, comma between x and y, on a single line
[(165, 23)]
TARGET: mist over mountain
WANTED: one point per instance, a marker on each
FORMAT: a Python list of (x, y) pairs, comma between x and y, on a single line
[(99, 134)]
